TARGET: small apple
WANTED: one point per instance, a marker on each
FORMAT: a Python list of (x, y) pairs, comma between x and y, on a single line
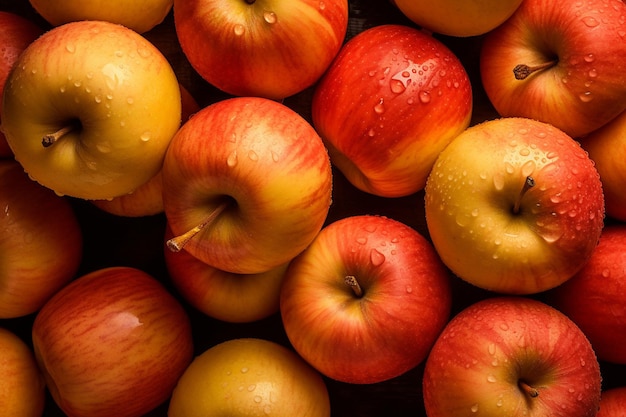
[(595, 298), (90, 109), (460, 18), (391, 101), (514, 205), (249, 377), (366, 300), (40, 244), (613, 402), (514, 357), (112, 343), (22, 387), (266, 48), (247, 185), (558, 62), (138, 15)]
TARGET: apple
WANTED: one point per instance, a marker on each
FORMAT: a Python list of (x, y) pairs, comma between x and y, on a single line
[(90, 109), (247, 185), (40, 243), (112, 343), (558, 62), (460, 18), (248, 377), (613, 402), (266, 48), (138, 15), (226, 296), (595, 298), (391, 101), (511, 356), (514, 205), (22, 387), (16, 33), (366, 300)]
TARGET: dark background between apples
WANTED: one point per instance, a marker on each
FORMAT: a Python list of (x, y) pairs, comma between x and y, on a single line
[(112, 241)]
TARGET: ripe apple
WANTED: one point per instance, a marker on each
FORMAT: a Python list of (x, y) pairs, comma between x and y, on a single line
[(40, 243), (511, 356), (366, 300), (514, 205), (458, 17), (112, 343), (90, 109), (22, 387), (595, 298), (391, 101), (249, 377), (558, 62), (139, 15), (226, 296), (613, 402), (267, 48), (246, 185)]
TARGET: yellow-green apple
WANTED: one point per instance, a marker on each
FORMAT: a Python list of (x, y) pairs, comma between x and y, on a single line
[(607, 148), (40, 243), (558, 62), (514, 205), (511, 356), (595, 298), (613, 402), (139, 15), (247, 185), (366, 300), (113, 342), (390, 102), (90, 109), (460, 18), (22, 387), (226, 296), (249, 377), (266, 48), (16, 33)]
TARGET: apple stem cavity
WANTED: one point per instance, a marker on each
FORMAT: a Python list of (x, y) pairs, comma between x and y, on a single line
[(51, 138), (528, 389), (528, 184), (176, 244), (522, 71), (351, 282)]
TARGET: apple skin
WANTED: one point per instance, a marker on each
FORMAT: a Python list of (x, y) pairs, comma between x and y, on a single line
[(613, 403), (391, 101), (22, 387), (459, 18), (265, 48), (470, 203), (112, 343), (486, 351), (595, 298), (390, 327), (267, 163), (41, 242), (582, 88), (114, 87)]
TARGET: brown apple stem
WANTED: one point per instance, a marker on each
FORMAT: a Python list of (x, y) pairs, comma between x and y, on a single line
[(522, 71), (529, 390), (528, 184), (351, 281), (176, 244), (51, 138)]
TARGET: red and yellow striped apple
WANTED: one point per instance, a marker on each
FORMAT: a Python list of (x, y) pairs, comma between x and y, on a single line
[(613, 402)]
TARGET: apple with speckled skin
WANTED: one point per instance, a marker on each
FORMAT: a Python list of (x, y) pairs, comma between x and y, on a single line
[(391, 101), (558, 62), (613, 402), (514, 206)]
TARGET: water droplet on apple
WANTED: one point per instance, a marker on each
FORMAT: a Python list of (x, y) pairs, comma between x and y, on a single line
[(379, 108), (231, 161), (145, 136), (361, 240), (62, 89), (492, 348), (130, 100), (498, 181), (244, 370), (593, 73), (424, 97), (586, 97), (98, 99), (275, 156), (589, 58), (376, 257), (606, 273), (253, 155), (239, 29), (103, 147), (258, 399), (270, 17), (397, 87), (409, 289), (491, 378), (590, 21), (267, 409), (251, 387), (71, 48), (474, 408), (322, 5)]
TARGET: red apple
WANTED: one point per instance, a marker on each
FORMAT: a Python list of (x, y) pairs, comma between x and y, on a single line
[(246, 185), (391, 101), (559, 62), (514, 205), (514, 357), (613, 403), (112, 343), (366, 300), (267, 48), (40, 244)]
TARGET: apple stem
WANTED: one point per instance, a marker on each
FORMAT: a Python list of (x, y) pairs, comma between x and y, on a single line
[(51, 138), (529, 390), (522, 71), (351, 282), (528, 184), (176, 244)]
